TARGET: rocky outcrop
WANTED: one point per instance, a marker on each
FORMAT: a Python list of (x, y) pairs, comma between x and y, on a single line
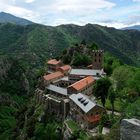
[(130, 129)]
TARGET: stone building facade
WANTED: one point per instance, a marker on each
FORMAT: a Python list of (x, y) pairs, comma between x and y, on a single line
[(67, 91), (78, 74), (84, 86), (54, 105), (65, 69), (48, 79), (57, 91), (53, 65), (84, 111), (98, 58)]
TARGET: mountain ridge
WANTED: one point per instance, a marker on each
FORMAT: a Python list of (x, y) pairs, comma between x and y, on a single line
[(40, 42), (135, 27), (9, 18)]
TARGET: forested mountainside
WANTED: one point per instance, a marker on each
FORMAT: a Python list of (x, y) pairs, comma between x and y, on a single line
[(23, 53), (34, 43), (17, 85), (23, 118), (8, 18), (119, 43)]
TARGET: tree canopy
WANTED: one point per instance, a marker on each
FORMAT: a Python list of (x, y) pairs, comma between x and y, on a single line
[(81, 60), (101, 88)]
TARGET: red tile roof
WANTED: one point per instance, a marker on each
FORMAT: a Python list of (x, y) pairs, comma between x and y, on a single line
[(53, 75), (53, 62), (83, 83), (65, 68), (92, 119)]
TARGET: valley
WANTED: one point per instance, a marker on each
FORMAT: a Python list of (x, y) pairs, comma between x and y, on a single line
[(25, 51)]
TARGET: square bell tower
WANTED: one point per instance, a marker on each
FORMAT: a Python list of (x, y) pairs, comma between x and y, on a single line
[(98, 58)]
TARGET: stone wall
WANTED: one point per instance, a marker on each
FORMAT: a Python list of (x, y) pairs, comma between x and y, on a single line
[(130, 129)]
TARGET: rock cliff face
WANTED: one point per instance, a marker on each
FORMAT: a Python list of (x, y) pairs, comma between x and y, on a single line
[(130, 129)]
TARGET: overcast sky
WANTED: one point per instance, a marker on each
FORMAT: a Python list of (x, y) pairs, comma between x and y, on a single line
[(115, 13)]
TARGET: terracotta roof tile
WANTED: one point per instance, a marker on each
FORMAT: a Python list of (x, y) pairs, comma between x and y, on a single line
[(83, 83), (65, 68), (53, 62), (53, 75), (92, 119)]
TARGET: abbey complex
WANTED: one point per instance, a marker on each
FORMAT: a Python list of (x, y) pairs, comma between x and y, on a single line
[(68, 92)]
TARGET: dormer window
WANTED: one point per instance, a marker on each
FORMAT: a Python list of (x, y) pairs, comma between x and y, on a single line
[(97, 74), (82, 101), (85, 103), (79, 99)]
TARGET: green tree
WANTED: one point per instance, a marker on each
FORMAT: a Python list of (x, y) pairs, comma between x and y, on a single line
[(48, 132), (94, 46), (112, 97), (66, 59), (122, 75), (98, 137), (75, 135), (81, 60), (132, 109), (101, 88), (83, 42), (110, 63), (134, 82), (128, 94), (30, 126), (114, 132), (104, 119)]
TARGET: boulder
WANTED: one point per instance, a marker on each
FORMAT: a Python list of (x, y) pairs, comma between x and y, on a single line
[(130, 129)]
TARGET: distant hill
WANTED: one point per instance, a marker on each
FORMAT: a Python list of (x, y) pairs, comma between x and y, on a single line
[(136, 27), (8, 18), (123, 44), (33, 44)]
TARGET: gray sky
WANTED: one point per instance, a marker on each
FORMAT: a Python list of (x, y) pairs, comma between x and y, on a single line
[(115, 13)]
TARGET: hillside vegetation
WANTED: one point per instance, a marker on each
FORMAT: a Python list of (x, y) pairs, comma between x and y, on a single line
[(34, 43), (23, 53)]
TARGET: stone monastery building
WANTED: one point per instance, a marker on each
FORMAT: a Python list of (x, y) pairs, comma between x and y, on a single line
[(68, 92)]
